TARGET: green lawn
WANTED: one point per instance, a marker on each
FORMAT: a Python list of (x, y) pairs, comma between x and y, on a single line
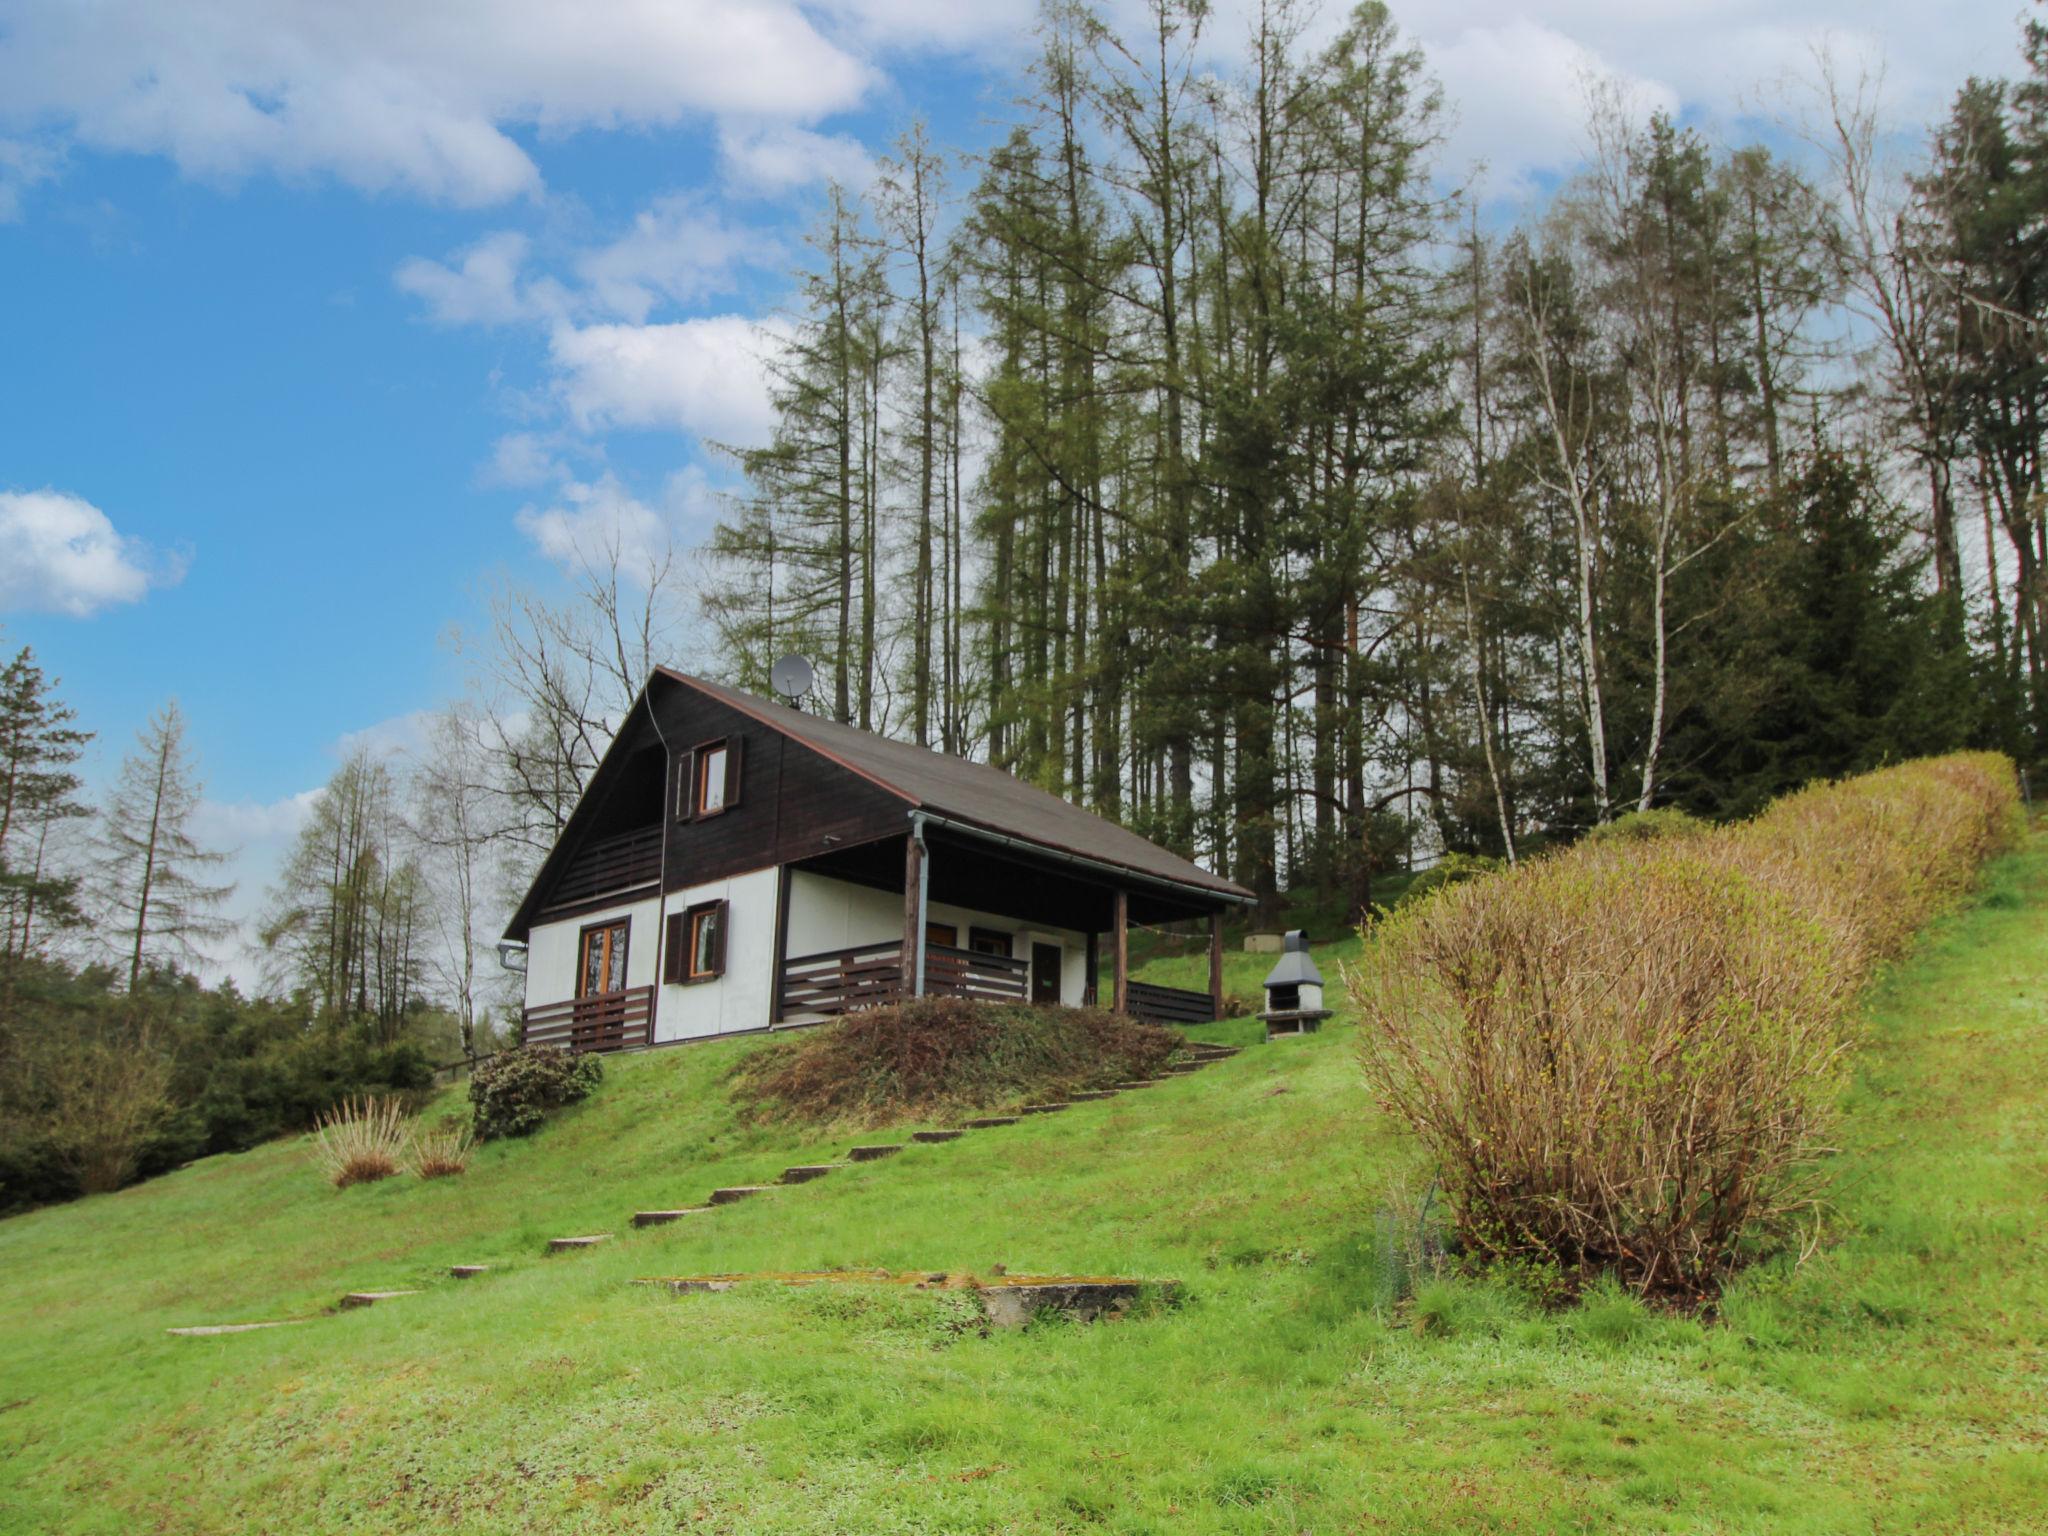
[(1892, 1383)]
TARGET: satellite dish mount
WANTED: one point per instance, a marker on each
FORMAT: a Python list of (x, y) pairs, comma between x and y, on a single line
[(791, 678)]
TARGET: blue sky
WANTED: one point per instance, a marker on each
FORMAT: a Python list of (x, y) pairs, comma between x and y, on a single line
[(317, 317)]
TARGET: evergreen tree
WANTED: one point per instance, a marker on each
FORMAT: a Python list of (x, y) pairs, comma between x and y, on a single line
[(38, 797)]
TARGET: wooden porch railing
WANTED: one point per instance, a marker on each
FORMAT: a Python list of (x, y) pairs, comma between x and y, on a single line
[(610, 864), (1170, 1005), (950, 972), (838, 981), (610, 1021)]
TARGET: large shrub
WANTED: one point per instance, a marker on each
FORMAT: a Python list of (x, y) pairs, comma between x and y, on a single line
[(1625, 1057), (940, 1054), (511, 1093)]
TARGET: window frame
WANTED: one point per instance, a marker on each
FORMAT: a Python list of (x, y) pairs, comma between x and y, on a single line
[(977, 936), (679, 964), (932, 930), (624, 927)]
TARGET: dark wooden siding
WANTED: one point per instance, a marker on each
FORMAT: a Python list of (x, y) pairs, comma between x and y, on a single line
[(792, 802)]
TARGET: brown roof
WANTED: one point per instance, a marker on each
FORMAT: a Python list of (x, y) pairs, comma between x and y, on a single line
[(972, 792)]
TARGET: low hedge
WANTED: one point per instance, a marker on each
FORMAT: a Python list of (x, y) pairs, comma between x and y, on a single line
[(1626, 1057)]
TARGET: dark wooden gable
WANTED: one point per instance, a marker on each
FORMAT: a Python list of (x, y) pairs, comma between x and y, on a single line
[(784, 800), (611, 844)]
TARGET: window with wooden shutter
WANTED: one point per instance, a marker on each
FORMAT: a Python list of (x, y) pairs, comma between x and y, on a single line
[(733, 750), (673, 939), (697, 943)]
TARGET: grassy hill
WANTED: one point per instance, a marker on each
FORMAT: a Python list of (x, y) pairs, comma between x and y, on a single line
[(1894, 1382)]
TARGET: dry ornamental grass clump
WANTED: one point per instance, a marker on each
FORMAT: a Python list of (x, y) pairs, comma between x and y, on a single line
[(442, 1152), (1626, 1057), (361, 1141)]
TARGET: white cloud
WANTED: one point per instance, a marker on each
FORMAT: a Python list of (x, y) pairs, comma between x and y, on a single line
[(399, 736), (1518, 93), (399, 95), (679, 249), (519, 460), (482, 288), (235, 824), (585, 524), (61, 554), (762, 159), (23, 164), (706, 376)]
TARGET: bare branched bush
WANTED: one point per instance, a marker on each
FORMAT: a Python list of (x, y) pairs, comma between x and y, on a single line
[(361, 1141), (1625, 1058), (441, 1152)]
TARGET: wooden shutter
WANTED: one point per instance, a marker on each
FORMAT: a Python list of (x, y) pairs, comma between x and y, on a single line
[(718, 910), (675, 940), (732, 770), (686, 788)]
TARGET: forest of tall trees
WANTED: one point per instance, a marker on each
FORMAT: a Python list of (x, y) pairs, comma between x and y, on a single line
[(1199, 454)]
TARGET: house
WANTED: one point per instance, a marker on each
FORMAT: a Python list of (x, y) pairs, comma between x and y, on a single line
[(735, 864)]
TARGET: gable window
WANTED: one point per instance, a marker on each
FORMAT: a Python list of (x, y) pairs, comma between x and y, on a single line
[(601, 965), (695, 943), (710, 780), (711, 763)]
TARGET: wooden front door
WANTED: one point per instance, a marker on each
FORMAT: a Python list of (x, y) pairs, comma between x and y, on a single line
[(601, 967), (1045, 973)]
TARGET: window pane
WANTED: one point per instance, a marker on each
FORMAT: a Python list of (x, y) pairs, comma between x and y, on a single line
[(615, 960), (704, 944), (711, 780), (593, 964)]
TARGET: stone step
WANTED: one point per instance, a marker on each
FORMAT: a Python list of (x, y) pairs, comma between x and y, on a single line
[(989, 1122), (1206, 1052), (571, 1244), (663, 1218), (873, 1154), (467, 1271), (1092, 1095), (371, 1298), (208, 1330), (1183, 1068), (936, 1136), (738, 1192), (803, 1173), (1143, 1082), (1043, 1109)]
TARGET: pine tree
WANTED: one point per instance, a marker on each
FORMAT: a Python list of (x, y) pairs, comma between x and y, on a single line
[(38, 796)]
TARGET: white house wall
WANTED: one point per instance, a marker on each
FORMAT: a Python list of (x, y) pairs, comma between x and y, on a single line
[(551, 951), (824, 915), (827, 914), (742, 998)]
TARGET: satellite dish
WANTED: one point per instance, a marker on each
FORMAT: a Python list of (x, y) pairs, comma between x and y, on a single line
[(791, 678)]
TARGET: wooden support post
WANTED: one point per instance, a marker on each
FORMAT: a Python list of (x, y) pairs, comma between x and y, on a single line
[(1094, 964), (911, 983), (778, 981), (1121, 953), (1215, 965)]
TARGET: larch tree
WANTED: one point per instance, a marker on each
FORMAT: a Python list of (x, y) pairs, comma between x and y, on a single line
[(150, 870)]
